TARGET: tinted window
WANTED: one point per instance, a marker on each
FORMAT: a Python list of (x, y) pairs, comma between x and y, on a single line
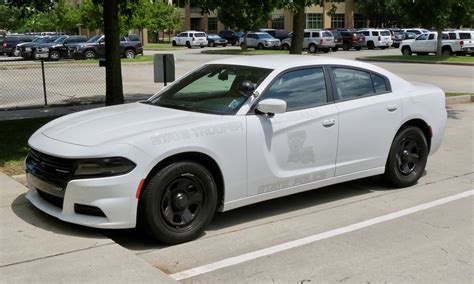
[(422, 37), (315, 34), (183, 35), (375, 33), (366, 33), (327, 34), (385, 33), (452, 35), (351, 83), (300, 88), (431, 36), (133, 38), (200, 35), (380, 85), (464, 35), (306, 35)]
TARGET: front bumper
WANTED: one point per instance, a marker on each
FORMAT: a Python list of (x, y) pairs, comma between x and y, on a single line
[(41, 55)]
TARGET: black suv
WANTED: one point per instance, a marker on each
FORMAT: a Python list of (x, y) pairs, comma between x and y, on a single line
[(130, 46), (231, 36), (9, 43), (58, 48), (27, 49)]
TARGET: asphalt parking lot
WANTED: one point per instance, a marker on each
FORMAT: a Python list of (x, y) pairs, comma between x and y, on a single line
[(359, 231)]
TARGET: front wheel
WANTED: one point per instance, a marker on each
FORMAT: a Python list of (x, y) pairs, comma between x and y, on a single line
[(312, 48), (129, 54), (260, 46), (407, 158), (406, 51), (178, 202), (54, 55), (89, 54)]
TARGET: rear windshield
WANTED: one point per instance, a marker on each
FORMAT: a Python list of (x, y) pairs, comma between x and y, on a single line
[(326, 34), (464, 36), (200, 35), (385, 33)]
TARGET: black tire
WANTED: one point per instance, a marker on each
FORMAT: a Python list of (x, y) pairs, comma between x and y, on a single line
[(358, 48), (334, 49), (406, 51), (188, 44), (326, 50), (447, 51), (285, 46), (370, 45), (224, 45), (312, 48), (168, 198), (89, 54), (346, 46), (54, 55), (173, 43), (407, 158), (260, 46), (211, 44), (129, 54)]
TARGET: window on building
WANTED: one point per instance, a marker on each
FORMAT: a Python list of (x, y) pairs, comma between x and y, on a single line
[(278, 22), (337, 21), (212, 25), (314, 20), (179, 3)]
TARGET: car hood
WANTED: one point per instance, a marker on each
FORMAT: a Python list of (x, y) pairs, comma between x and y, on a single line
[(119, 123), (49, 44)]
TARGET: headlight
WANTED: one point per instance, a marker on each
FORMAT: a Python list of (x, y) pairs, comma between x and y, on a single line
[(103, 167)]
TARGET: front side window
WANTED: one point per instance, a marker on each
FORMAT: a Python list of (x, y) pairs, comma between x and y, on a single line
[(300, 89), (211, 89), (352, 83), (422, 37), (431, 37)]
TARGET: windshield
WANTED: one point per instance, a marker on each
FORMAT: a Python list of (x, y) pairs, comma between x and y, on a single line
[(264, 36), (94, 38), (210, 89), (60, 39)]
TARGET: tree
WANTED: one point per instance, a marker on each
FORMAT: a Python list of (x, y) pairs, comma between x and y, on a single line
[(91, 15), (10, 17), (439, 14), (142, 15), (245, 15), (382, 13), (68, 17), (165, 17)]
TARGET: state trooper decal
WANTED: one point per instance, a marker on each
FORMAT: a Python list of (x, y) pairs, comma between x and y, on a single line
[(298, 153)]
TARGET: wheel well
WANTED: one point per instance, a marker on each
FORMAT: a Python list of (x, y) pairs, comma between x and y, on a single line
[(423, 126), (200, 158), (446, 47)]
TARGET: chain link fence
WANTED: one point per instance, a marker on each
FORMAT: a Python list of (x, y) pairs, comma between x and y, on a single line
[(26, 84)]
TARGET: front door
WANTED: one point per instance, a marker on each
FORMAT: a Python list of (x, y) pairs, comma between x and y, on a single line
[(298, 147)]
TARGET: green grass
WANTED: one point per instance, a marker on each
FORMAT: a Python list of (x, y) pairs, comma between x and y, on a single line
[(13, 145), (161, 46), (249, 51), (421, 58), (458, 94)]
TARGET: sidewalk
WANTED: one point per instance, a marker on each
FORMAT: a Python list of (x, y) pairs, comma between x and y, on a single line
[(35, 247)]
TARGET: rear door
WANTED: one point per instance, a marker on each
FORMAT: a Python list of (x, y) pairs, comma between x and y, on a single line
[(431, 43), (369, 116)]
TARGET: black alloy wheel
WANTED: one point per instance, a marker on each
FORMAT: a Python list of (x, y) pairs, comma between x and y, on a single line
[(178, 202), (407, 158)]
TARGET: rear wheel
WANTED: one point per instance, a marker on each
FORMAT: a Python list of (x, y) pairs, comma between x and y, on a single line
[(173, 43), (312, 48), (406, 51), (447, 51), (178, 202), (188, 44), (211, 44), (407, 158), (358, 48), (370, 45), (346, 46), (260, 46), (54, 55), (286, 46), (326, 50), (129, 54)]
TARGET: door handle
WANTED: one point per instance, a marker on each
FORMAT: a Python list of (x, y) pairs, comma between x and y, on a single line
[(329, 122), (392, 108)]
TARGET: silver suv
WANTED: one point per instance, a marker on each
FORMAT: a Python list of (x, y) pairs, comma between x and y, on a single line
[(261, 40), (314, 40)]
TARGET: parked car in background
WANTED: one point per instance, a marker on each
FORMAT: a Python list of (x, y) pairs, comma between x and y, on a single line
[(8, 43), (216, 40), (190, 39), (338, 40), (230, 133), (466, 40), (377, 38), (27, 49), (416, 31), (314, 40), (130, 46), (261, 40), (276, 33), (352, 39), (425, 44), (231, 36), (398, 38), (57, 49)]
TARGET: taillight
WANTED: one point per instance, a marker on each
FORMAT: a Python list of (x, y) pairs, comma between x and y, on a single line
[(5, 45), (321, 41), (354, 37), (461, 42)]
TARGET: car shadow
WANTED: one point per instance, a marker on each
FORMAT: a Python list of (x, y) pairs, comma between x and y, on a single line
[(136, 240), (22, 208)]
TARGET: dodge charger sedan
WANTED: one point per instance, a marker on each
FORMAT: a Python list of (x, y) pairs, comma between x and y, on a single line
[(231, 133)]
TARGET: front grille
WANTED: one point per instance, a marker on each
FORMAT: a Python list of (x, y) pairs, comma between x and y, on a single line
[(54, 170), (56, 201)]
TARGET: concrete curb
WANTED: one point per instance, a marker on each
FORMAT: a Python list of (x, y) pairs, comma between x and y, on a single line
[(459, 99), (414, 62)]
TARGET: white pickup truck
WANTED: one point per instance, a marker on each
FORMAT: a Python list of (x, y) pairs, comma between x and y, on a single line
[(427, 43)]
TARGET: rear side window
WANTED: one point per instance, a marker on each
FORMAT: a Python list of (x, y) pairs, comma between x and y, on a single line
[(375, 33), (326, 34), (431, 36), (306, 34), (315, 34), (366, 33), (464, 36), (452, 35), (385, 33), (133, 38), (200, 35), (300, 89), (352, 83)]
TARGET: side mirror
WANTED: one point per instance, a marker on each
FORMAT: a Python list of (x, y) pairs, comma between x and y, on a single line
[(271, 107), (246, 88)]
